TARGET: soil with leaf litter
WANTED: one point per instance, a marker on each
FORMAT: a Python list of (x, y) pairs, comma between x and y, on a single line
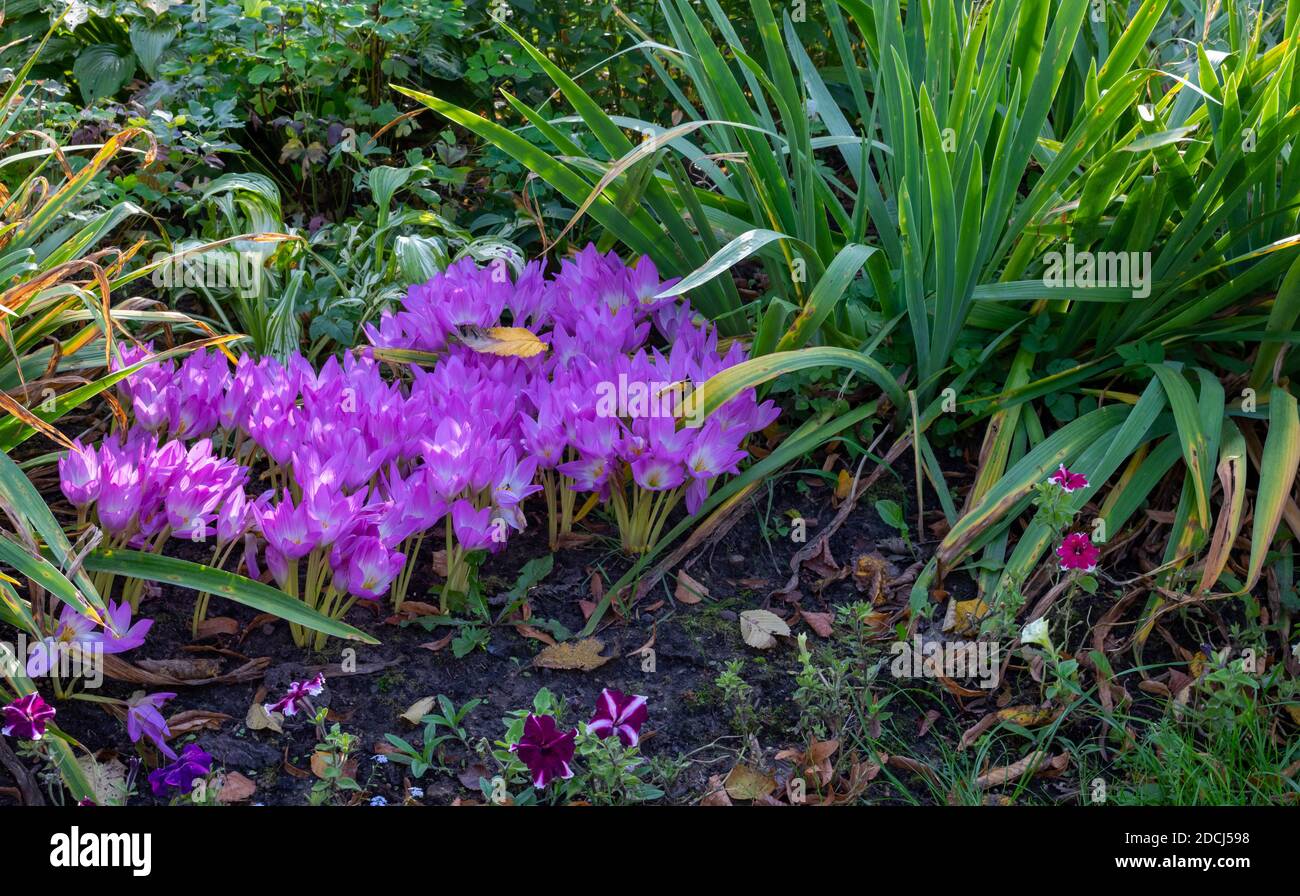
[(691, 644)]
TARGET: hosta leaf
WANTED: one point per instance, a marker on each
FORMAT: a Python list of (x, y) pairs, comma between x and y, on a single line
[(150, 40), (101, 70)]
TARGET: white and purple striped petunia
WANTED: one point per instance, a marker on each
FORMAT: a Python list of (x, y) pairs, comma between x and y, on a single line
[(621, 714)]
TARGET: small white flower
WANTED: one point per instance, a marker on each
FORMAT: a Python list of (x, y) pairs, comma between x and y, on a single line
[(1036, 633), (417, 793), (378, 801), (381, 758)]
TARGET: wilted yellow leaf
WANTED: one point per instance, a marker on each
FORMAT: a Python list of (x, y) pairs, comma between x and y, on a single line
[(584, 655), (744, 783), (419, 709), (507, 342)]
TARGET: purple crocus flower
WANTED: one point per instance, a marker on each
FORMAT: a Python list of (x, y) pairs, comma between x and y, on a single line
[(545, 749), (290, 530), (365, 568), (193, 763), (118, 635), (473, 526), (25, 718), (79, 475), (295, 698), (621, 714), (143, 719)]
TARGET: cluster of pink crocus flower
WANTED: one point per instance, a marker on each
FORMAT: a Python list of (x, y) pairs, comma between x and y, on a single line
[(358, 468)]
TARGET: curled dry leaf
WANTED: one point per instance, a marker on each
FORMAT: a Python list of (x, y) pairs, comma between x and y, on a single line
[(258, 719), (182, 673), (218, 625), (717, 794), (235, 788), (192, 720), (688, 590), (419, 709), (1037, 762), (818, 622), (759, 628), (528, 631), (439, 644), (871, 575)]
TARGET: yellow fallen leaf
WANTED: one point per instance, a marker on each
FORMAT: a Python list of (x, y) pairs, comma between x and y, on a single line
[(1027, 716), (967, 616), (506, 342), (843, 483), (583, 655), (744, 783), (419, 709)]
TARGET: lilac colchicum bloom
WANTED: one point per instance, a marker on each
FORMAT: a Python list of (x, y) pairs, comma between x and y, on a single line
[(116, 634), (295, 698), (26, 717), (193, 763), (364, 469), (545, 750), (621, 714), (144, 719)]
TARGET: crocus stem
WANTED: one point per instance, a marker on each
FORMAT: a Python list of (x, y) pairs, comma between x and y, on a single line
[(552, 517)]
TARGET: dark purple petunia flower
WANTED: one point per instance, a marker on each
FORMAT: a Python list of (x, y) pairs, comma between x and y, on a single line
[(194, 763), (545, 749), (621, 714), (25, 718)]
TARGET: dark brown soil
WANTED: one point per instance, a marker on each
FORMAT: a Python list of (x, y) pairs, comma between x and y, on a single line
[(688, 716)]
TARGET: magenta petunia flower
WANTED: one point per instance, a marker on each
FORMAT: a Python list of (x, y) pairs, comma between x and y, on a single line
[(25, 718), (1068, 480), (621, 714), (143, 719), (295, 698), (193, 763), (545, 749), (1078, 552)]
